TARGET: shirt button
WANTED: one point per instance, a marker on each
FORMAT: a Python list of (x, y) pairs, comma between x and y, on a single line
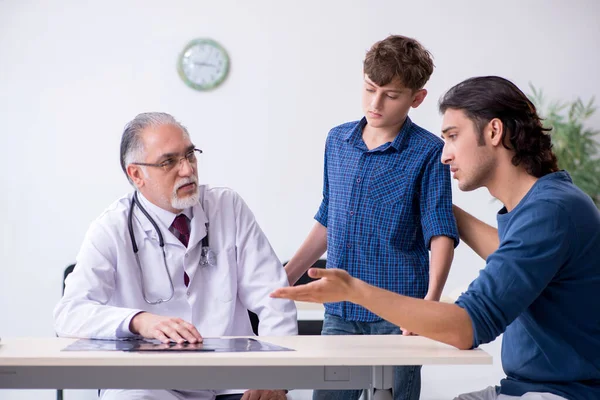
[(186, 256), (188, 293), (348, 245), (358, 180), (351, 212)]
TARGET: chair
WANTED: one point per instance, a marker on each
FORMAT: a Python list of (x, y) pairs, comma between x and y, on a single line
[(304, 279), (253, 321), (68, 270)]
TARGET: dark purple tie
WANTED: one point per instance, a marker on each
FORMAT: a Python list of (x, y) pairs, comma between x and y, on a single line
[(181, 229)]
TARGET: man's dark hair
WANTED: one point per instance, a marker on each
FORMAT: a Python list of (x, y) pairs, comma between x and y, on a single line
[(487, 97)]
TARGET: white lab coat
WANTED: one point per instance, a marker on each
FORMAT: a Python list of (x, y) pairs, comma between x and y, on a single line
[(104, 291)]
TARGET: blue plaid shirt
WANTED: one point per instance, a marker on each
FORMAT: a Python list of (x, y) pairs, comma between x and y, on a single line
[(381, 208)]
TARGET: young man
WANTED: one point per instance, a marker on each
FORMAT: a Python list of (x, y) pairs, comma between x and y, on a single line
[(387, 200), (542, 277), (173, 261)]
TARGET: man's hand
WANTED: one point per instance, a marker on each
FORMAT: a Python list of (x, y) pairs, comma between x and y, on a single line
[(165, 329), (334, 285), (264, 395)]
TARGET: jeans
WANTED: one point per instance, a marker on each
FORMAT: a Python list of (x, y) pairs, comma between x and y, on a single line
[(407, 379)]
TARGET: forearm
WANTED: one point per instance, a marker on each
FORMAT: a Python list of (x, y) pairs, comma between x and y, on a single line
[(83, 311), (79, 318), (442, 253), (478, 235), (447, 323), (309, 252)]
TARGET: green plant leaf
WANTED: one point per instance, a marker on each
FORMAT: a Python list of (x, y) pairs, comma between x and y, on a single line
[(576, 146)]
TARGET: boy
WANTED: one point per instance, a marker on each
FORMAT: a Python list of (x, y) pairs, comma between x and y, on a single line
[(387, 200)]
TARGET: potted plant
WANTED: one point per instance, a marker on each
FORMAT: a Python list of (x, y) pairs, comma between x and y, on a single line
[(576, 146)]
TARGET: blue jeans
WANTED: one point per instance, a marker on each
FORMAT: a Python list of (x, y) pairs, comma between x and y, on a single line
[(407, 379)]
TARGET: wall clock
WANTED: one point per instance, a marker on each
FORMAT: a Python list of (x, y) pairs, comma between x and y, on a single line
[(203, 64)]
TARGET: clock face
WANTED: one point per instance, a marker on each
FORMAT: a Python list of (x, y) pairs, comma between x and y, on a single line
[(203, 64)]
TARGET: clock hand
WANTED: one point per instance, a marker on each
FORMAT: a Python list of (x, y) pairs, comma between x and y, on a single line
[(203, 64)]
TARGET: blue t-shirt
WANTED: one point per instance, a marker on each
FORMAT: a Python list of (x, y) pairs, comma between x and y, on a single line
[(542, 289), (381, 208)]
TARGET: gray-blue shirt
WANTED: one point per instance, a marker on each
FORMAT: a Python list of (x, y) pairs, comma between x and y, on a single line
[(542, 289)]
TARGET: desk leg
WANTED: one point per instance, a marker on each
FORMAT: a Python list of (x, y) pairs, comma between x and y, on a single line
[(383, 394), (383, 382), (380, 394)]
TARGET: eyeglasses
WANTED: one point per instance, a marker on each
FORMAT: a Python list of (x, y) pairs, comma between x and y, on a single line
[(171, 162)]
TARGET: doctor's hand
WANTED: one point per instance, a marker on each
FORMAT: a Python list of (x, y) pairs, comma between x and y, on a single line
[(334, 285), (165, 329), (264, 395)]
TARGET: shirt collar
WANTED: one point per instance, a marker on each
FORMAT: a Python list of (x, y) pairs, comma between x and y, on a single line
[(403, 134), (164, 216), (354, 135)]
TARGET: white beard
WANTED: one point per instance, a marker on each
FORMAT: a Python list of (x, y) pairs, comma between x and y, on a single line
[(181, 203)]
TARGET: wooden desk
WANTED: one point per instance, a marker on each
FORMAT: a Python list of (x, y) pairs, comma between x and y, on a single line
[(318, 362)]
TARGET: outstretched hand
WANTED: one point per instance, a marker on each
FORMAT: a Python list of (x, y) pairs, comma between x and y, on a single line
[(333, 285)]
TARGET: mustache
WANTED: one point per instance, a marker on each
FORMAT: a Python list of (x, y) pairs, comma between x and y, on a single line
[(185, 181)]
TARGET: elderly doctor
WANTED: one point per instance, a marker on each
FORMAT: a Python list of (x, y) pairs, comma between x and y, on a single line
[(173, 261)]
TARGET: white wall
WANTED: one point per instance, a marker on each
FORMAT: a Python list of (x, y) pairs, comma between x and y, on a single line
[(72, 73)]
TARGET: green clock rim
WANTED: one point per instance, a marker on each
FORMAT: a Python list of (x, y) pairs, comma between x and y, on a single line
[(196, 86)]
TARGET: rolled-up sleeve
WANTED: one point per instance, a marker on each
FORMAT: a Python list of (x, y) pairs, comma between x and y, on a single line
[(322, 213), (530, 254), (437, 218)]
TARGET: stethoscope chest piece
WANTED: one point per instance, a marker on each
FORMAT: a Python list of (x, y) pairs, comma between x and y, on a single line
[(208, 257)]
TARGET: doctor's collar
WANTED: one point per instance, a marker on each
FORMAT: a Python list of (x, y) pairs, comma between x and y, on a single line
[(164, 216)]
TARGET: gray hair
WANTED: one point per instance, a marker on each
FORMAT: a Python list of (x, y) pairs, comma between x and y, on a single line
[(132, 147)]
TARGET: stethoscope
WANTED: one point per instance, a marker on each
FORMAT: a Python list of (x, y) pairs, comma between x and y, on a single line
[(207, 255)]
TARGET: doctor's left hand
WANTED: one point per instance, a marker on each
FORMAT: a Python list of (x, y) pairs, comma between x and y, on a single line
[(165, 329), (264, 395)]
